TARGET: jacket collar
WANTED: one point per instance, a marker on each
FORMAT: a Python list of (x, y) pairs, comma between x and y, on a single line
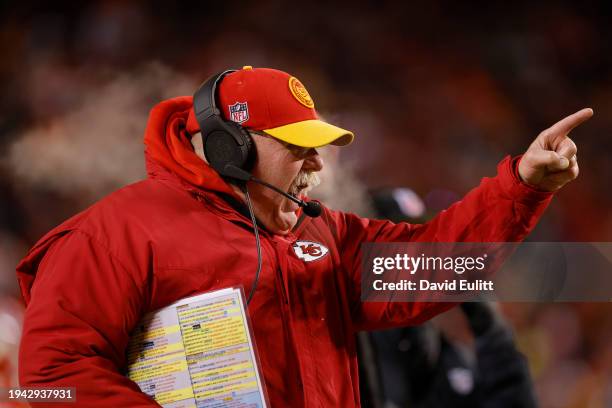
[(228, 206)]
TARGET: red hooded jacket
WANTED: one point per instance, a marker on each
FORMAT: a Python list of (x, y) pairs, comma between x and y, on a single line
[(87, 282)]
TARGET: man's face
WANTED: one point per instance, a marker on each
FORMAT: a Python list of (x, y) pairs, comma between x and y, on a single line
[(290, 168)]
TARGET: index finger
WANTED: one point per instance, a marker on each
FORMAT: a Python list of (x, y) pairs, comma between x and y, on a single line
[(565, 125)]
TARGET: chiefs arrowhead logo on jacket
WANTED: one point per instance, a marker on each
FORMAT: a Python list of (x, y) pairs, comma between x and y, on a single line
[(309, 251)]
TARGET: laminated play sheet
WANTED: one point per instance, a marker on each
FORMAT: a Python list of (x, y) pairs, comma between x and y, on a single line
[(198, 352)]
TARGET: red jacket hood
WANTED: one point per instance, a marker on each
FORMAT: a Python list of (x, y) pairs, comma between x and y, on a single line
[(168, 143), (168, 155)]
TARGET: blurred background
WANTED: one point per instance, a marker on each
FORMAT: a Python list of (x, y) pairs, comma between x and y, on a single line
[(436, 92)]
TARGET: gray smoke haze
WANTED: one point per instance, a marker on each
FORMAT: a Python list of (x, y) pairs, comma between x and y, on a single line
[(340, 188), (98, 146)]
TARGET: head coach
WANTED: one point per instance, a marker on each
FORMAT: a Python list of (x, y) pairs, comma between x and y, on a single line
[(244, 149)]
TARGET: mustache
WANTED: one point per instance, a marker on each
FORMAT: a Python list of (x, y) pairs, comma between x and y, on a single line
[(304, 181)]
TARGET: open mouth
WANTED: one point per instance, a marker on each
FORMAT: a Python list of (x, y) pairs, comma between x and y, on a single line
[(303, 183), (297, 189)]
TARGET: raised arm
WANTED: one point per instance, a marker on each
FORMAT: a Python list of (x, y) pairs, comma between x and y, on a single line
[(504, 208)]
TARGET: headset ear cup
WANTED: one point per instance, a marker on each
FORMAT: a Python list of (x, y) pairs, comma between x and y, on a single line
[(245, 145), (221, 149), (231, 144)]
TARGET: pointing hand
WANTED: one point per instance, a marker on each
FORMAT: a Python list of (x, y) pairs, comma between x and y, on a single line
[(551, 161)]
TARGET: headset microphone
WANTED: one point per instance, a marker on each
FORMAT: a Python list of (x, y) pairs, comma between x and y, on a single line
[(310, 208)]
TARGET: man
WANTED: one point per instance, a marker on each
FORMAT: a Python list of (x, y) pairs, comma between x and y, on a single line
[(425, 367), (185, 230)]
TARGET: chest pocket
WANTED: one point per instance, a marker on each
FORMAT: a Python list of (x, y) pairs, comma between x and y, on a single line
[(315, 252), (310, 269)]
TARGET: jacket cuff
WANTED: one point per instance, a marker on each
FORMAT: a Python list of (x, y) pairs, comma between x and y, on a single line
[(514, 187)]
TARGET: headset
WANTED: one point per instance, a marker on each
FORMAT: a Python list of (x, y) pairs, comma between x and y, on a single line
[(228, 148), (225, 142)]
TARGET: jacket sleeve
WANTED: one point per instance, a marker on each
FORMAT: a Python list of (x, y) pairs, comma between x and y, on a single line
[(500, 209), (84, 303)]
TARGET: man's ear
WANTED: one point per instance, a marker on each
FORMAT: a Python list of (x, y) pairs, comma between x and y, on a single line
[(198, 146)]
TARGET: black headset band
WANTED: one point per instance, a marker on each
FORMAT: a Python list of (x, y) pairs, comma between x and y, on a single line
[(225, 142), (204, 100)]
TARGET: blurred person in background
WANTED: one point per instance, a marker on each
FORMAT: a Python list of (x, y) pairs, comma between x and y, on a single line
[(430, 366), (186, 230), (425, 367)]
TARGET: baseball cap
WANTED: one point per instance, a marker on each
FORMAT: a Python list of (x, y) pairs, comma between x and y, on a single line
[(278, 104)]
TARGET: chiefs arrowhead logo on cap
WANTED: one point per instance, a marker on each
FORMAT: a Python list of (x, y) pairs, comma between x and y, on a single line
[(309, 251), (300, 93)]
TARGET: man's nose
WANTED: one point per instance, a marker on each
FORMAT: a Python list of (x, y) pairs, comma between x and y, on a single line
[(314, 162)]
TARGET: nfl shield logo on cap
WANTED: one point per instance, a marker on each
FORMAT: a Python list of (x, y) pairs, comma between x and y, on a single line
[(239, 112)]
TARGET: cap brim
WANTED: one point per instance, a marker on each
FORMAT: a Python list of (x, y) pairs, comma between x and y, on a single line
[(311, 133)]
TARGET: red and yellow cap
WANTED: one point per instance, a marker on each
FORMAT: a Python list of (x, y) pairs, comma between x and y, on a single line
[(278, 104)]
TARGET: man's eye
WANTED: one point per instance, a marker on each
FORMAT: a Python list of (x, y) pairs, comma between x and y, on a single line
[(299, 151)]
